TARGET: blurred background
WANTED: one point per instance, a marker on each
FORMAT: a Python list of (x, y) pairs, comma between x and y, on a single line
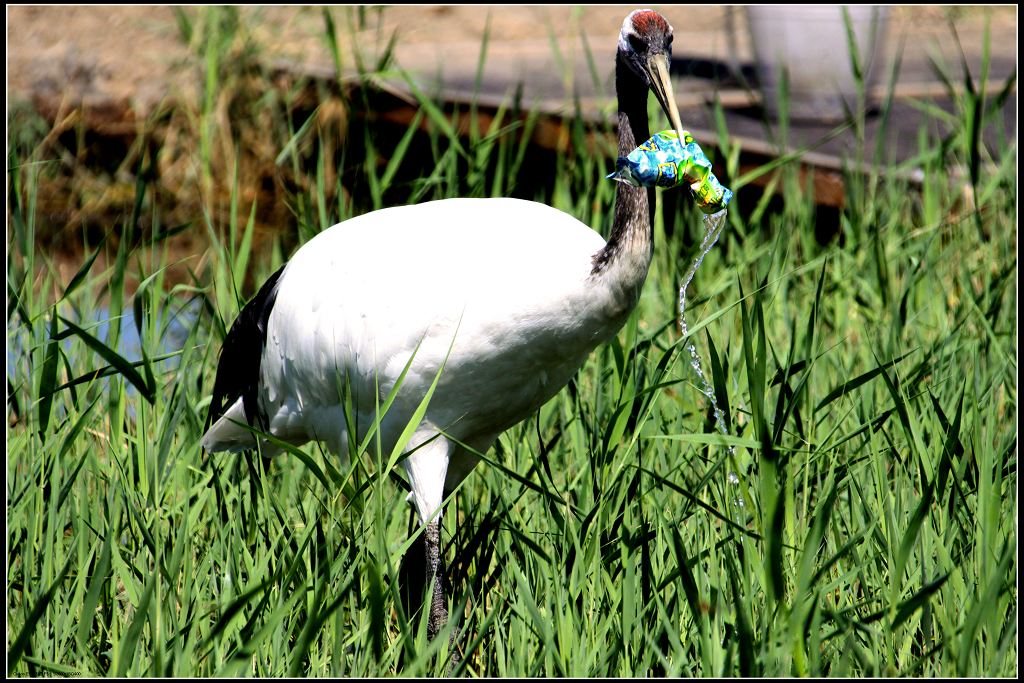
[(100, 84)]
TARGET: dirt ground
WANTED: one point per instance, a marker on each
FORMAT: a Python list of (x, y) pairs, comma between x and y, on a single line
[(136, 55)]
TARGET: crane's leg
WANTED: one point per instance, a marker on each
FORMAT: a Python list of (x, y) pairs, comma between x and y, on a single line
[(427, 468), (435, 575)]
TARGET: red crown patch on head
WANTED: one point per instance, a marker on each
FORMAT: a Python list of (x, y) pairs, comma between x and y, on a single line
[(646, 21)]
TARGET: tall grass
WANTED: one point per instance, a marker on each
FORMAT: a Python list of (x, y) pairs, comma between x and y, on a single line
[(869, 384)]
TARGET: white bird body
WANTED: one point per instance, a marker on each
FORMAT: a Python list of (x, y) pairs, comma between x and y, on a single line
[(498, 301), (511, 308)]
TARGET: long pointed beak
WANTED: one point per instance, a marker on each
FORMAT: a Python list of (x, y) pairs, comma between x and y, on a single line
[(661, 84)]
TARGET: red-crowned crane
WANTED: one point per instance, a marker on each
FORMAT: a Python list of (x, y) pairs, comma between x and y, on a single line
[(502, 300)]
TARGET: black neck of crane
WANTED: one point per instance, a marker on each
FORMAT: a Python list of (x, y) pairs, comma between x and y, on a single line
[(632, 101), (634, 206), (632, 92)]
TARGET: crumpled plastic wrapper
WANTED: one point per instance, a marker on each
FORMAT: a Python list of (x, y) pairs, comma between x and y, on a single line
[(664, 161)]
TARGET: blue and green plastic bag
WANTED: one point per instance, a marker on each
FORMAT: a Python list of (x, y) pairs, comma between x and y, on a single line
[(664, 161)]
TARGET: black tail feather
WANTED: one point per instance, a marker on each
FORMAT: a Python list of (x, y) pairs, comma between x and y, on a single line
[(238, 371)]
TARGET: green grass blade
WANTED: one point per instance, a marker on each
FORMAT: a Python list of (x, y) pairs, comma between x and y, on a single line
[(21, 641), (123, 367), (48, 377)]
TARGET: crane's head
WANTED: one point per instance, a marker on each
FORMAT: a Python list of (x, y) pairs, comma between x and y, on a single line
[(645, 43)]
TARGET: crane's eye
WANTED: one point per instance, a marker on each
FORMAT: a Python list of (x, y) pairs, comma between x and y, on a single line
[(668, 42), (637, 43)]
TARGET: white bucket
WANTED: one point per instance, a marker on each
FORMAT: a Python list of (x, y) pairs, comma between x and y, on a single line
[(809, 43)]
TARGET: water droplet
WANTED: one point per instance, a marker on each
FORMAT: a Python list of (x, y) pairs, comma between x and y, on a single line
[(713, 225)]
